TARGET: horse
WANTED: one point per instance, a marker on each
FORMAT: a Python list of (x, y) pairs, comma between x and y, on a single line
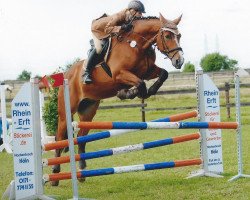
[(131, 60)]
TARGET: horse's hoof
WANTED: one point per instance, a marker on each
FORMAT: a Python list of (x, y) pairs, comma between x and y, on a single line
[(132, 93), (122, 94), (81, 179), (54, 183)]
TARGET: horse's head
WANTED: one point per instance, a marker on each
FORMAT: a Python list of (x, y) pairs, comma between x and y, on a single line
[(168, 41)]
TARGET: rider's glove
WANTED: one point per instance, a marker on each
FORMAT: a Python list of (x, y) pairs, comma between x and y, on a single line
[(126, 27)]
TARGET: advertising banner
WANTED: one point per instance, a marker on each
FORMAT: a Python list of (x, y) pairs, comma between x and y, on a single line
[(24, 169), (213, 136)]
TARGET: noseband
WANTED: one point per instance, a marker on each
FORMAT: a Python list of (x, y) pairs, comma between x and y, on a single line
[(167, 51)]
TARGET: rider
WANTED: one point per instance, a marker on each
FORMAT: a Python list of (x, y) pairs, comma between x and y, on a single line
[(103, 27)]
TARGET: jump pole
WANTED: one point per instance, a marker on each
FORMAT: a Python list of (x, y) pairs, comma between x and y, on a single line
[(155, 125), (239, 131), (123, 169), (122, 150), (6, 145), (113, 133), (71, 140)]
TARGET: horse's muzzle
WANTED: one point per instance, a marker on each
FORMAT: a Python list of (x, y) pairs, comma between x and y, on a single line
[(177, 63)]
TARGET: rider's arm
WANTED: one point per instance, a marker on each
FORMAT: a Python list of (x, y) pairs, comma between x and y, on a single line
[(113, 25)]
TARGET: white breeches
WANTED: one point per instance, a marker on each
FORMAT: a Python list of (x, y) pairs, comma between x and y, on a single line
[(98, 44)]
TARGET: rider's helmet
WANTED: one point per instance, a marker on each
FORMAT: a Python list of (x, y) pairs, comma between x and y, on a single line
[(137, 6)]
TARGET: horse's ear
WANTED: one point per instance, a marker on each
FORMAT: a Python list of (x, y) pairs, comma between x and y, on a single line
[(162, 19), (177, 21)]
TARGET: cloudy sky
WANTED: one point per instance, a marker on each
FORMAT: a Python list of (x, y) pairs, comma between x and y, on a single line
[(40, 35)]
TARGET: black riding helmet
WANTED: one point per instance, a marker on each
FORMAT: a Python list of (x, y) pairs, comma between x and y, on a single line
[(137, 6)]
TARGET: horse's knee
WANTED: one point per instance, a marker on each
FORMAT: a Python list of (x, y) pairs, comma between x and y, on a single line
[(163, 75)]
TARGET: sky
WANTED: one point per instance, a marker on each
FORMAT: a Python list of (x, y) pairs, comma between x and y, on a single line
[(41, 35)]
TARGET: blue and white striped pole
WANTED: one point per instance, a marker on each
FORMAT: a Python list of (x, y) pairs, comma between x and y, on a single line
[(122, 150), (155, 125), (123, 169)]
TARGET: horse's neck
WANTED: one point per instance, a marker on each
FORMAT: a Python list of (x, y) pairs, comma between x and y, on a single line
[(147, 28)]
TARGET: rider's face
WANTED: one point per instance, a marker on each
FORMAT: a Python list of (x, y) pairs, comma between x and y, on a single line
[(138, 14), (134, 13)]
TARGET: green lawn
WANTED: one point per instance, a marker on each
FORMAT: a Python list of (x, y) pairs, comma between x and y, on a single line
[(158, 184)]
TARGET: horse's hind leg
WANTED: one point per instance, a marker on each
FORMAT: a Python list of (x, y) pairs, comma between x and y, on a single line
[(86, 111)]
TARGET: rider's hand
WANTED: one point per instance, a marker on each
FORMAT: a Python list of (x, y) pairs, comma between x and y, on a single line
[(126, 27)]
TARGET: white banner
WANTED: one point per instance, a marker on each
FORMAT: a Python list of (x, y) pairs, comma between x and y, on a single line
[(212, 114), (24, 169)]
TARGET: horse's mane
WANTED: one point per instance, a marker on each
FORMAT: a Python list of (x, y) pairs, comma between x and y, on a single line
[(145, 18)]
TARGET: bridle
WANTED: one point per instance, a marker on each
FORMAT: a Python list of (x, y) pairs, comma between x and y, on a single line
[(166, 51)]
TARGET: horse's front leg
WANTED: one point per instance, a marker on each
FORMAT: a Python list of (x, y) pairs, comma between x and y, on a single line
[(127, 78), (158, 83)]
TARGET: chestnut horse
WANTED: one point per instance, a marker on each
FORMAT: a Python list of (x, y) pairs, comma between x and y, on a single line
[(131, 61)]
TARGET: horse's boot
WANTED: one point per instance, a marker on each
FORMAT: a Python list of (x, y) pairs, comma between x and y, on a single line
[(91, 62)]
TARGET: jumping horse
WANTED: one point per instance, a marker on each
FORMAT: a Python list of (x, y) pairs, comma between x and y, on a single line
[(131, 60)]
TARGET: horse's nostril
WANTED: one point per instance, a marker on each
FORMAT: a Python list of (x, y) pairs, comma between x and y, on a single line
[(178, 63)]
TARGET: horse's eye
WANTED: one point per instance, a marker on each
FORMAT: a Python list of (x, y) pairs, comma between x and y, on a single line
[(168, 37)]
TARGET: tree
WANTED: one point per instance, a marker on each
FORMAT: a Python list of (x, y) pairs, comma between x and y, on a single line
[(50, 113), (217, 62), (24, 76), (189, 67)]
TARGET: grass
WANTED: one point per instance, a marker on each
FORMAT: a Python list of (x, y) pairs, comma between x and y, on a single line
[(158, 184)]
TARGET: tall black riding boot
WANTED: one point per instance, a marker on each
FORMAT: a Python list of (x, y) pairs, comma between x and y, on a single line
[(91, 62)]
